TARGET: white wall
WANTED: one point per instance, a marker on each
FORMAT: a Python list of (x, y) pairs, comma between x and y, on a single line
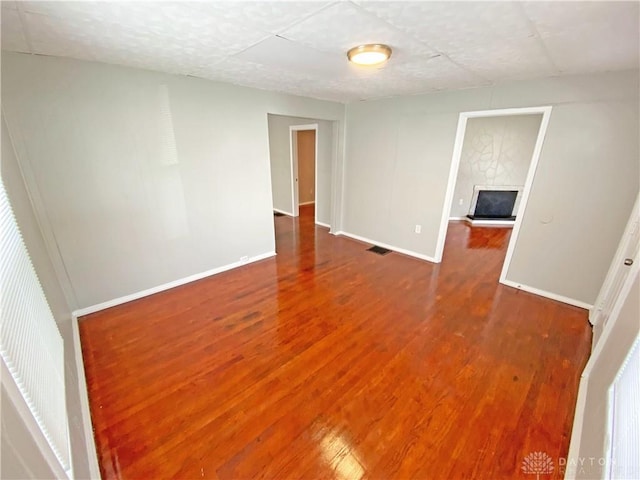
[(279, 153), (399, 150), (146, 178), (585, 186), (496, 151), (82, 456), (125, 218)]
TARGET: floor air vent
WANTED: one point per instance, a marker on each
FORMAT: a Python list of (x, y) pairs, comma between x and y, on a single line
[(278, 214), (379, 250)]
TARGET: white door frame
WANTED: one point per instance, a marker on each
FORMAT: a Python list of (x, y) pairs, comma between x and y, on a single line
[(455, 164), (295, 205), (577, 431), (605, 299)]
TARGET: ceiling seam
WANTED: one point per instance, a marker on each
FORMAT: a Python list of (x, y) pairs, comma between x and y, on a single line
[(538, 37), (59, 32), (281, 30), (306, 17), (437, 51)]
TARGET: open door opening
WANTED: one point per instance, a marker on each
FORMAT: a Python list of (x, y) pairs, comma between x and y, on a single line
[(486, 162), (303, 155), (494, 162), (304, 152)]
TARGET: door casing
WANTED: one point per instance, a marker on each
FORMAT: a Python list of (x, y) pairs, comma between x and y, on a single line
[(618, 271), (453, 175)]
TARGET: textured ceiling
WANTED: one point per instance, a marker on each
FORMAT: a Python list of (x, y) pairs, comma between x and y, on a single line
[(300, 47)]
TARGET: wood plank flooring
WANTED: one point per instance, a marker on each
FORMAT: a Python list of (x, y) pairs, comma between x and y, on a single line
[(329, 361)]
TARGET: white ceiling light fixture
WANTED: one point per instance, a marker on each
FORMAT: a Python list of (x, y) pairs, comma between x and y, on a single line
[(370, 54)]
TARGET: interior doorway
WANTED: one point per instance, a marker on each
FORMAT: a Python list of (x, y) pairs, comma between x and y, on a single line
[(304, 154), (458, 201), (306, 157), (310, 180)]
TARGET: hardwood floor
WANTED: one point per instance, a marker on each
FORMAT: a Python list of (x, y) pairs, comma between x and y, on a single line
[(329, 361)]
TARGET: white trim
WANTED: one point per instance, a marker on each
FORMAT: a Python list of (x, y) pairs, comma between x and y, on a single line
[(312, 202), (451, 185), (176, 283), (283, 212), (537, 150), (490, 223), (544, 293), (294, 208), (580, 412), (386, 245), (483, 223), (316, 136), (31, 425), (85, 411), (294, 160), (616, 263), (326, 225), (337, 174), (455, 164), (505, 112), (624, 291)]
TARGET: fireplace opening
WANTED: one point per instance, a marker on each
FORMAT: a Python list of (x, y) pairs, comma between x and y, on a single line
[(495, 204)]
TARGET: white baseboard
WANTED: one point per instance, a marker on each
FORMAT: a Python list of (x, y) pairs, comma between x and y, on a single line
[(283, 212), (386, 245), (544, 293), (167, 286), (85, 411), (491, 223), (306, 203), (485, 223), (326, 225)]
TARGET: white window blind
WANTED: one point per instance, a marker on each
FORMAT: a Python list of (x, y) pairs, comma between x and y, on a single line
[(30, 343), (625, 435)]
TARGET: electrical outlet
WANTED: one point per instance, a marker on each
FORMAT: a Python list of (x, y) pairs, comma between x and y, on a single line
[(461, 201), (244, 259), (418, 228)]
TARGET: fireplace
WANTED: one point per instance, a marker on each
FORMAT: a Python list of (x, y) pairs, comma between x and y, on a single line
[(494, 203)]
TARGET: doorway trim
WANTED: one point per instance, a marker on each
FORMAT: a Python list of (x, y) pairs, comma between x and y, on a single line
[(578, 433), (455, 164), (612, 282), (295, 203)]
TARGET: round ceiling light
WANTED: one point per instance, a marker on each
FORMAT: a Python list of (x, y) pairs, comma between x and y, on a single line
[(370, 54)]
